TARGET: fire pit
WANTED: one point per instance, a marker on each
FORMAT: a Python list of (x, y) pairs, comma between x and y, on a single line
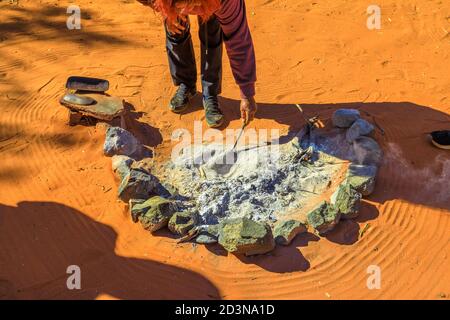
[(260, 194)]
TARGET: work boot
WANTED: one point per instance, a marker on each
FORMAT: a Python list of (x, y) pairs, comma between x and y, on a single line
[(213, 114), (181, 99)]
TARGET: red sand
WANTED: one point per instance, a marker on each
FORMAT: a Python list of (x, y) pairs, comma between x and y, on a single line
[(58, 202)]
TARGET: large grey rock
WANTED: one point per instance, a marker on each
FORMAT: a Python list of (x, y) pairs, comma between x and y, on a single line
[(347, 201), (208, 234), (362, 178), (367, 151), (155, 213), (120, 142), (285, 231), (324, 217), (344, 118), (245, 236), (359, 128), (135, 210), (137, 184), (121, 165), (181, 222)]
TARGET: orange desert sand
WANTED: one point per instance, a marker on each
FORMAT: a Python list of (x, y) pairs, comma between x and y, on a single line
[(58, 204)]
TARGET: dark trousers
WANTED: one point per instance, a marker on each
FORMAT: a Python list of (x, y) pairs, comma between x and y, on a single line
[(180, 52)]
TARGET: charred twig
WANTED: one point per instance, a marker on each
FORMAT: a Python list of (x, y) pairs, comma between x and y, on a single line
[(46, 84)]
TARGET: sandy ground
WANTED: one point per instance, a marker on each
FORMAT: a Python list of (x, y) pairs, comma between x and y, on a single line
[(57, 193)]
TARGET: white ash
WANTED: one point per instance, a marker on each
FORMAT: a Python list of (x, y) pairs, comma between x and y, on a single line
[(264, 182)]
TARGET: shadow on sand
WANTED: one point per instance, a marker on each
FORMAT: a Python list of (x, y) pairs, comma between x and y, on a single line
[(39, 240)]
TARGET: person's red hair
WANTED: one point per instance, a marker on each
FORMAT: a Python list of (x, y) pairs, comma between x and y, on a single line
[(168, 11)]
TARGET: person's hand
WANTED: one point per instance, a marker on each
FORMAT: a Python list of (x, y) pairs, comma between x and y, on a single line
[(248, 109), (176, 27)]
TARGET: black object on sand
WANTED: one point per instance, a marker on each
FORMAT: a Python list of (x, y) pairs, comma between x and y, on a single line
[(86, 97), (87, 84), (441, 139)]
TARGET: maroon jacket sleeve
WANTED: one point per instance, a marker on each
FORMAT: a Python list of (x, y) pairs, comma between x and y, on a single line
[(239, 44)]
